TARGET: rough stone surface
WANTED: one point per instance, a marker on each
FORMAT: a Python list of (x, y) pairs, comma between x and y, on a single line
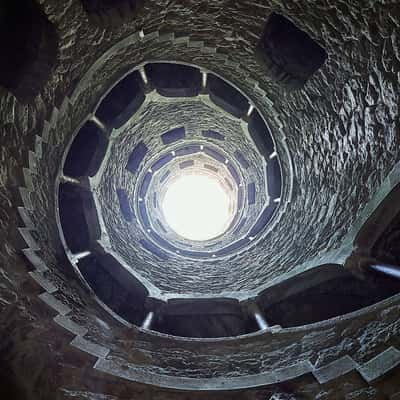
[(342, 133), (175, 275), (327, 149)]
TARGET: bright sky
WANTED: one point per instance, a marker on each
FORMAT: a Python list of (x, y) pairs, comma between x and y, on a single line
[(197, 207)]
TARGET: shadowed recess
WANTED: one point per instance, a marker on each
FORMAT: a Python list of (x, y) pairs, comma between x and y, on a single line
[(154, 249), (115, 286), (289, 54), (173, 135), (124, 205), (72, 217), (204, 319), (328, 299), (29, 44), (251, 193), (174, 80), (186, 164), (136, 157), (213, 135), (86, 152), (227, 97), (111, 12), (274, 178), (122, 101), (241, 158), (260, 134)]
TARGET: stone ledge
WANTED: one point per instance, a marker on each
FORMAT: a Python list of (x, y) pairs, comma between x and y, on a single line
[(138, 374), (32, 160), (26, 218), (26, 198), (380, 365), (70, 325), (35, 260), (29, 240), (55, 304), (38, 147), (89, 347), (45, 132), (335, 369), (27, 178), (43, 282)]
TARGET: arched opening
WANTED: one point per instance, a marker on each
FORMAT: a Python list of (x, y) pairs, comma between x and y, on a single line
[(86, 152), (203, 318), (122, 101), (174, 80), (78, 217), (323, 293), (226, 96), (115, 286)]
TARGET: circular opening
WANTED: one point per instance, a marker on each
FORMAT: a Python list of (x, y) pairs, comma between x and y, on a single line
[(197, 207)]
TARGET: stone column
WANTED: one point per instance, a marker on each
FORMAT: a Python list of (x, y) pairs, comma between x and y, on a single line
[(148, 320), (390, 270), (259, 317), (255, 311)]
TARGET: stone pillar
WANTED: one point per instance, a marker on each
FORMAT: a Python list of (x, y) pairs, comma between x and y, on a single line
[(82, 182), (390, 270), (78, 256), (148, 320), (100, 125), (259, 317), (254, 310), (147, 86), (203, 79)]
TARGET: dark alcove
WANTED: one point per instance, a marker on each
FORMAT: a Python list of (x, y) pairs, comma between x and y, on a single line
[(122, 101), (111, 12), (174, 80), (86, 152), (289, 54), (29, 44)]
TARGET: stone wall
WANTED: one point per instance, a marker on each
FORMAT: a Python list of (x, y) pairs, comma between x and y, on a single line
[(342, 134)]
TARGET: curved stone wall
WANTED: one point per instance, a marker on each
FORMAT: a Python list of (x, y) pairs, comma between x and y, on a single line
[(322, 178), (339, 137)]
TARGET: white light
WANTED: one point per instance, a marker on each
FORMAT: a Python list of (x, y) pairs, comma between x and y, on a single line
[(197, 207)]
